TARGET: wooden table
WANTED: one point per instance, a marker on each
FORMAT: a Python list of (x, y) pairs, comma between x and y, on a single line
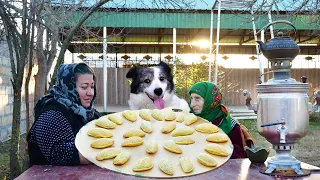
[(233, 169)]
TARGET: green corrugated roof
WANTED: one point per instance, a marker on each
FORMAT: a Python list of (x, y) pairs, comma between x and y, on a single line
[(187, 20), (239, 5)]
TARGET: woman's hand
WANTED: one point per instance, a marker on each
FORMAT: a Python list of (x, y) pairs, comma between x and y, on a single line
[(83, 160)]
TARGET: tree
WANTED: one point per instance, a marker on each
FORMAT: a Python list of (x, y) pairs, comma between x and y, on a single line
[(70, 34), (20, 43), (50, 17), (18, 40), (39, 36), (187, 75), (295, 10)]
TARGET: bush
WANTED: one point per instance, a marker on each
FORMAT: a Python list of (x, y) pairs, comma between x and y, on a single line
[(314, 116)]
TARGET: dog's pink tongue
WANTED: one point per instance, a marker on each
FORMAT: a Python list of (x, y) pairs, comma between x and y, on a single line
[(159, 103)]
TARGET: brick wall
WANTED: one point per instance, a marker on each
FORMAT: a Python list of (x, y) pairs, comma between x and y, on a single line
[(6, 96)]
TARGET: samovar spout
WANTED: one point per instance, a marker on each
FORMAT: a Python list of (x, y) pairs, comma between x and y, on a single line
[(282, 129)]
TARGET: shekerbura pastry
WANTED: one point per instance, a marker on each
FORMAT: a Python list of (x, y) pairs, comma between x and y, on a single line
[(130, 115), (168, 127), (104, 122), (182, 131), (169, 115), (166, 166), (217, 138), (146, 126), (145, 114), (102, 143), (179, 117), (183, 140), (207, 128), (134, 132), (157, 114), (186, 164), (151, 147), (171, 146), (108, 153), (216, 149), (121, 158), (116, 118), (100, 133), (207, 160), (190, 119), (132, 141), (143, 164)]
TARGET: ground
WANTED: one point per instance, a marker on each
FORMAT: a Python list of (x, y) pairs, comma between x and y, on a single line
[(4, 156), (306, 150)]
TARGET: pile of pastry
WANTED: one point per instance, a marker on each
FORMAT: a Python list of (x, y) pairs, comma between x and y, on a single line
[(134, 137)]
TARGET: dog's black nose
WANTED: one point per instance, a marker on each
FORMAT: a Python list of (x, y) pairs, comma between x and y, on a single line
[(158, 91)]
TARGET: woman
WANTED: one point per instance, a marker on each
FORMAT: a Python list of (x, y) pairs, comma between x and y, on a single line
[(206, 102), (60, 114)]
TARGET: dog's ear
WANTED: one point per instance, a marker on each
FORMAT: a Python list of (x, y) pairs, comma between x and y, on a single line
[(132, 72), (165, 67)]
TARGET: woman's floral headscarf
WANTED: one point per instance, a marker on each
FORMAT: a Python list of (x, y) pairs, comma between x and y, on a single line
[(212, 107)]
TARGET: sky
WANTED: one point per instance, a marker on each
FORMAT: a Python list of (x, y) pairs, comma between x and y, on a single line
[(288, 5)]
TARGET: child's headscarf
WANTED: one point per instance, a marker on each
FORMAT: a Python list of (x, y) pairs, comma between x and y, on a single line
[(212, 107), (65, 92)]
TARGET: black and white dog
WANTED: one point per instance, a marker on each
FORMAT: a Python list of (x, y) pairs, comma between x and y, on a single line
[(152, 88)]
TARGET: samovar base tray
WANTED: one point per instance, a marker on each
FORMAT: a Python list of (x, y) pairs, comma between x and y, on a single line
[(285, 172)]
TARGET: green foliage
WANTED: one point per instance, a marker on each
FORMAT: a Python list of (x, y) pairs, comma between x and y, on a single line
[(187, 75), (314, 116), (5, 157)]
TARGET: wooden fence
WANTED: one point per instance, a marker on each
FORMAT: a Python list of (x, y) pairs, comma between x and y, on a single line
[(232, 85)]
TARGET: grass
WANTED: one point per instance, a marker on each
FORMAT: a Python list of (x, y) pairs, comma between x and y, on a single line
[(305, 150), (5, 156)]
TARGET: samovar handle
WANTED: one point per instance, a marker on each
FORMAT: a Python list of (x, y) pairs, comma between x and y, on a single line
[(316, 105), (279, 21), (253, 107)]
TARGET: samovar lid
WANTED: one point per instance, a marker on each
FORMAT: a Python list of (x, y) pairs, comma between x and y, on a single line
[(289, 80)]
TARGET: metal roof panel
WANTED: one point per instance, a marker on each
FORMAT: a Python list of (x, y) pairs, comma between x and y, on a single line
[(192, 20)]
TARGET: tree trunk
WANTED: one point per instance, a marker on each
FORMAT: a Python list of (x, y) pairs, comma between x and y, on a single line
[(26, 85), (15, 168), (28, 123), (40, 79)]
